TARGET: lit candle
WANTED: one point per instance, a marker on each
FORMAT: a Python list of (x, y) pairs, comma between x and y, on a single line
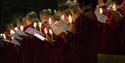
[(62, 17), (51, 33), (100, 10), (12, 32), (16, 28), (35, 24), (4, 36), (114, 7), (40, 25), (12, 38), (70, 19), (1, 34), (45, 31), (50, 21), (21, 27)]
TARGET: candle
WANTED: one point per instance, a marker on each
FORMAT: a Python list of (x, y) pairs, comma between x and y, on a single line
[(40, 25), (4, 36), (50, 21), (12, 38), (1, 34), (114, 7), (70, 19), (35, 24), (51, 33), (100, 10), (45, 31), (16, 28), (62, 17), (12, 32), (21, 27)]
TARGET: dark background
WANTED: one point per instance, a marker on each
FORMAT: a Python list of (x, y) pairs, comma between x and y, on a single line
[(11, 8)]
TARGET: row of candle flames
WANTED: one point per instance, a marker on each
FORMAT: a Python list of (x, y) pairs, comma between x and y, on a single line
[(35, 25), (46, 31)]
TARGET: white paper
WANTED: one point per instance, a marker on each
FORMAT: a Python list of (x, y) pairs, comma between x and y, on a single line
[(32, 31), (56, 29), (39, 36), (101, 17), (64, 25), (13, 41)]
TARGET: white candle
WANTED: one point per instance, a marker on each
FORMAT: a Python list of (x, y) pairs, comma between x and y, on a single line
[(16, 28), (12, 32), (21, 27), (62, 17), (12, 38), (4, 36), (100, 10), (51, 33), (1, 34), (70, 19), (35, 24), (45, 31), (40, 25), (50, 21), (114, 7)]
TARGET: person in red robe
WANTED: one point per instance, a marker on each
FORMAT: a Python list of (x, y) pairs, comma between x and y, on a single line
[(85, 34)]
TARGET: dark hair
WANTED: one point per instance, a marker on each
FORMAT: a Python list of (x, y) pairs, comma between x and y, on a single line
[(83, 3)]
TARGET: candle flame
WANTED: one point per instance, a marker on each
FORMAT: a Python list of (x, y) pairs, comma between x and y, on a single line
[(21, 28), (12, 37), (34, 24), (62, 17), (1, 34), (16, 28), (12, 32), (50, 21), (50, 31), (100, 10), (45, 30), (70, 19), (40, 24), (114, 7), (4, 36)]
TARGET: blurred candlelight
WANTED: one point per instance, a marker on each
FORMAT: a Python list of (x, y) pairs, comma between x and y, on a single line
[(45, 30), (34, 24), (70, 19), (16, 28), (62, 17), (1, 34), (40, 25), (50, 31), (12, 32), (21, 27), (50, 21), (114, 7), (4, 36), (100, 10), (12, 38)]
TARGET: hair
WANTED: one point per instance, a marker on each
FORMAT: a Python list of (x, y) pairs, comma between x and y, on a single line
[(83, 3)]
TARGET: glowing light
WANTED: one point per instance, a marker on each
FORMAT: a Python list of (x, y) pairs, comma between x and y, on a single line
[(70, 19), (12, 32), (21, 28), (100, 10)]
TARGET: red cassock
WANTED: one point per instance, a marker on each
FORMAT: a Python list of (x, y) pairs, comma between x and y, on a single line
[(85, 36)]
